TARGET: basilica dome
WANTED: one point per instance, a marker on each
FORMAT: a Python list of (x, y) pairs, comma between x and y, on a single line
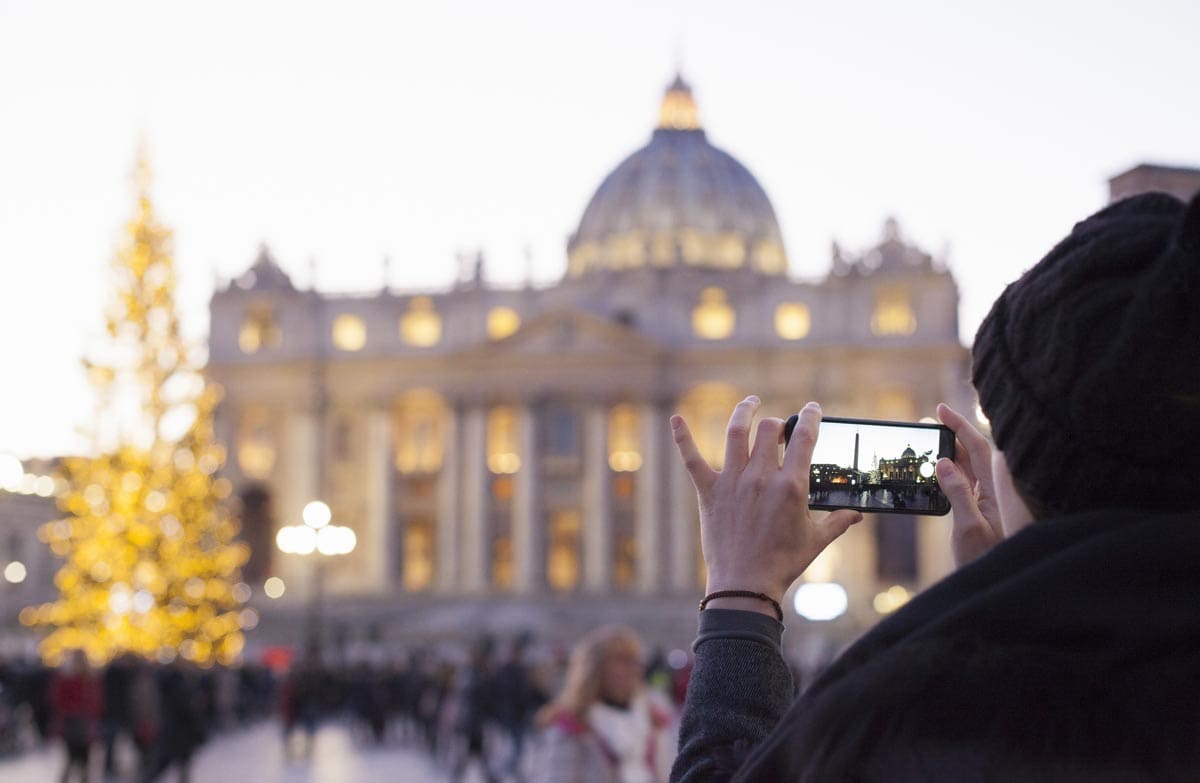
[(678, 201)]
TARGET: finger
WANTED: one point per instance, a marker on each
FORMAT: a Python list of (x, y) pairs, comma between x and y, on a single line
[(972, 534), (834, 524), (798, 457), (698, 468), (975, 445), (963, 459), (737, 434), (765, 456)]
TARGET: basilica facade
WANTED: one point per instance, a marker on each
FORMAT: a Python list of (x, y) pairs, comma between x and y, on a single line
[(503, 454)]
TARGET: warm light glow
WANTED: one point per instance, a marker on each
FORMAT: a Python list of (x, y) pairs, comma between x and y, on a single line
[(419, 554), (562, 551), (895, 405), (503, 451), (11, 472), (273, 587), (893, 313), (820, 601), (316, 514), (14, 572), (501, 322), (259, 330), (419, 431), (421, 326), (255, 445), (891, 599), (713, 318), (792, 320), (981, 417), (678, 110), (624, 430), (349, 333)]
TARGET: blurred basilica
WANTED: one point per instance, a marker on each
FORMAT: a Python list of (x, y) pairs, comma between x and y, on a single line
[(503, 454)]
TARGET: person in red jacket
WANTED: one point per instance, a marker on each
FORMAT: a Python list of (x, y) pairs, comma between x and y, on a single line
[(76, 702)]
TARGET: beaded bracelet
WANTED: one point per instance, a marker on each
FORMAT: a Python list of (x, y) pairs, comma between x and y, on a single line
[(744, 594)]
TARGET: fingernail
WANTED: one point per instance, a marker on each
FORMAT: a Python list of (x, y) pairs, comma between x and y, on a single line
[(813, 404), (944, 468), (675, 422), (753, 398)]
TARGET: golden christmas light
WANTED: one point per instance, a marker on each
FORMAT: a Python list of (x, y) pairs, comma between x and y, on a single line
[(151, 561)]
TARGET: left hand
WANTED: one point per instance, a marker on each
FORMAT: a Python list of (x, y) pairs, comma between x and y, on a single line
[(756, 530)]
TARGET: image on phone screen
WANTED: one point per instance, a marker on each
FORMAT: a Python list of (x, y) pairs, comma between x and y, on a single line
[(878, 466)]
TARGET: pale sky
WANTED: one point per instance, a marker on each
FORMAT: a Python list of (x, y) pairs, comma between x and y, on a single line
[(835, 443), (345, 131)]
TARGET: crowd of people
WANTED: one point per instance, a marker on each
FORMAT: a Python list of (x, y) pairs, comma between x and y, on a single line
[(502, 708)]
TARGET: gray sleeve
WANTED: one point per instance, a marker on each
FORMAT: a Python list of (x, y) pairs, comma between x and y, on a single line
[(739, 690)]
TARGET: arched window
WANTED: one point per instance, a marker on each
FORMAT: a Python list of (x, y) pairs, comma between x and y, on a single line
[(349, 332), (501, 322), (562, 551), (503, 449), (624, 424), (893, 314), (259, 330), (712, 317), (792, 320), (419, 422), (421, 326), (255, 444)]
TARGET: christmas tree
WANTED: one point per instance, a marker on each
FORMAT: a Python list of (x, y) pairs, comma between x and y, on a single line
[(152, 564)]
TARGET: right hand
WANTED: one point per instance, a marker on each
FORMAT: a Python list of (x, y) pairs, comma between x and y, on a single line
[(967, 482)]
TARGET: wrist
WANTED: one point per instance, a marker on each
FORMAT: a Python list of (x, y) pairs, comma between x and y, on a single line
[(745, 600)]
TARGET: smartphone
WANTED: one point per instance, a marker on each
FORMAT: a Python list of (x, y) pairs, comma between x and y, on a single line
[(877, 466)]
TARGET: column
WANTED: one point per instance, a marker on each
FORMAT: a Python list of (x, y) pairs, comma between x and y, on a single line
[(683, 523), (377, 539), (528, 536), (597, 515), (648, 511), (474, 546), (449, 577)]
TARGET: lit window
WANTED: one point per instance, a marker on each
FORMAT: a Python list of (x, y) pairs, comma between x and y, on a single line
[(503, 453), (259, 330), (707, 408), (712, 318), (893, 313), (623, 432), (418, 554), (419, 422), (625, 562), (501, 322), (792, 320), (769, 257), (502, 563), (562, 553), (421, 325), (256, 449), (349, 332)]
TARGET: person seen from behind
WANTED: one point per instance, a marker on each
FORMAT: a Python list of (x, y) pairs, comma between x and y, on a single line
[(1066, 647), (76, 707), (605, 726)]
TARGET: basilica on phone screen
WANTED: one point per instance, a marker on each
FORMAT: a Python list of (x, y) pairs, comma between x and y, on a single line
[(503, 453)]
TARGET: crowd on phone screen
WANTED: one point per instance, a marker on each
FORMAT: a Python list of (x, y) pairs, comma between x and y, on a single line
[(490, 709)]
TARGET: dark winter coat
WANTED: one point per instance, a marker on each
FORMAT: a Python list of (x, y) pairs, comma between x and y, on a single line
[(1069, 652)]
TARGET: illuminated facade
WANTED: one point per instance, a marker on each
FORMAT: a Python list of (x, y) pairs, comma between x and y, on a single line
[(501, 450)]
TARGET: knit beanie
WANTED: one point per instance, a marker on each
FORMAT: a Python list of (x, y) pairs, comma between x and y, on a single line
[(1088, 366)]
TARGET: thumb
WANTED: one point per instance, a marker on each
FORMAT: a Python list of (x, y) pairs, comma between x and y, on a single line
[(835, 523)]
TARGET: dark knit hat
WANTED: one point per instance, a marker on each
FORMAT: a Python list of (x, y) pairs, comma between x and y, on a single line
[(1088, 366)]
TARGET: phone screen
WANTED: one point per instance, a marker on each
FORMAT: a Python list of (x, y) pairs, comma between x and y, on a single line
[(877, 466)]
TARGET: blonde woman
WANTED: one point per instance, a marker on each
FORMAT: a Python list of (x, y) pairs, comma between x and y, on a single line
[(606, 726)]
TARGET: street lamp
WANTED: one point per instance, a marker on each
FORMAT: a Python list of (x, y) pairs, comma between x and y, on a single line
[(316, 536)]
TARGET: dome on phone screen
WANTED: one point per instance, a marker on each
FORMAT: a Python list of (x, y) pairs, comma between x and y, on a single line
[(908, 452), (678, 201)]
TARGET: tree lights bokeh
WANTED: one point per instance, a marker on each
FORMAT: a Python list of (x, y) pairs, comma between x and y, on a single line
[(152, 565)]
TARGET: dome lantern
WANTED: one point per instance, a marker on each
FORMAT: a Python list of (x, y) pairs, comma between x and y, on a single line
[(678, 110)]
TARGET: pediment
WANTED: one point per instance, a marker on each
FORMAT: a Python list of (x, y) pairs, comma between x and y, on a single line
[(571, 332)]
